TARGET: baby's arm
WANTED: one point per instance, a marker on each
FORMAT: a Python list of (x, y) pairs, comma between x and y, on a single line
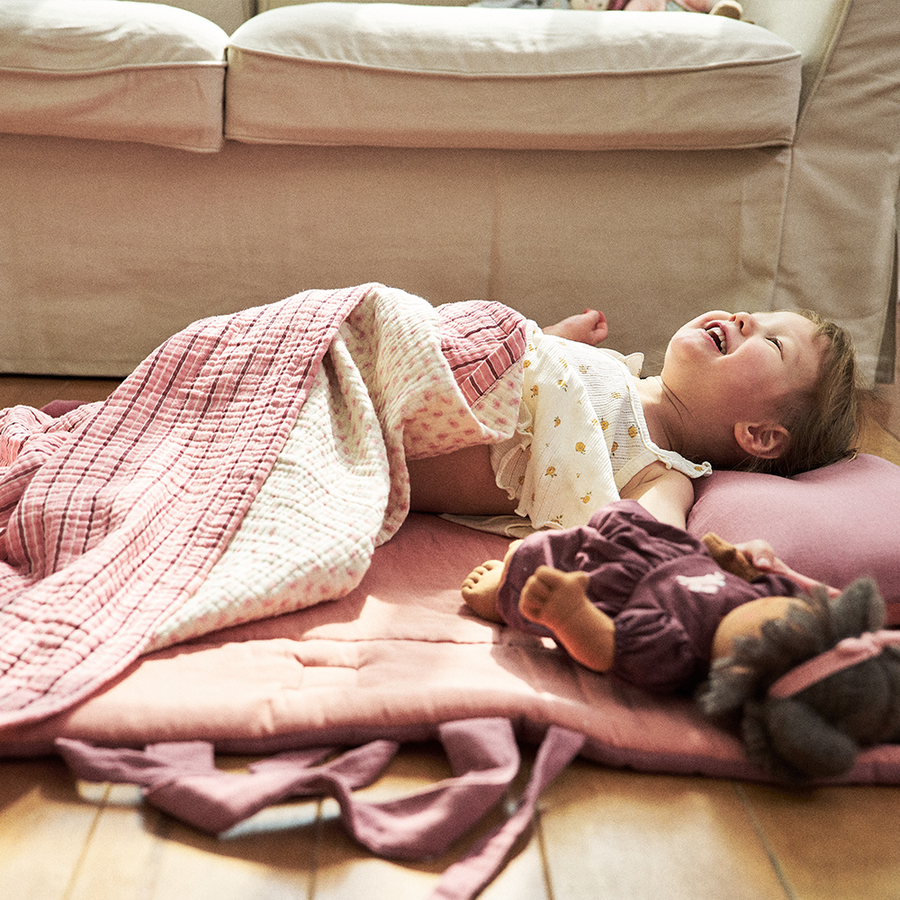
[(666, 494), (589, 327), (559, 601)]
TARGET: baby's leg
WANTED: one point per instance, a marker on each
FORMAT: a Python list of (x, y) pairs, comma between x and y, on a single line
[(482, 584), (461, 482), (559, 601), (589, 327)]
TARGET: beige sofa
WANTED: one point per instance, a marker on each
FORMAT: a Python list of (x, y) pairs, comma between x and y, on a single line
[(159, 164)]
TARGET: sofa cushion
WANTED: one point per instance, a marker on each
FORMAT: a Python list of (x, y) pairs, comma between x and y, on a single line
[(111, 70), (400, 75)]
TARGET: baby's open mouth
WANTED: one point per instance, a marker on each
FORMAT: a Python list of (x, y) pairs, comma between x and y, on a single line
[(717, 333)]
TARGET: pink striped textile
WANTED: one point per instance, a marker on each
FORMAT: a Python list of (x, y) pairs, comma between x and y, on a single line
[(481, 341), (113, 513)]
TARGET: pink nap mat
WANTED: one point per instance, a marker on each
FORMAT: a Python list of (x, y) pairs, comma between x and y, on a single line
[(393, 659)]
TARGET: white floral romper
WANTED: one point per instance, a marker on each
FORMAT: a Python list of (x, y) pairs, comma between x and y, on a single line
[(581, 434)]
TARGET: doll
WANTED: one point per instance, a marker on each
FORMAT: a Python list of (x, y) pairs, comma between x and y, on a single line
[(626, 594), (814, 687), (650, 603)]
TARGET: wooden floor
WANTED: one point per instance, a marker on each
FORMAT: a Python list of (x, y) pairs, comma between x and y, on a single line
[(599, 834)]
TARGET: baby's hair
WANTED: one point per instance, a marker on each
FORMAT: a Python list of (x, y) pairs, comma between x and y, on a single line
[(817, 732), (823, 422)]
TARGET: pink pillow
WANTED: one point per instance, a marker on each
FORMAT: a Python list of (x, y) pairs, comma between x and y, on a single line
[(833, 524)]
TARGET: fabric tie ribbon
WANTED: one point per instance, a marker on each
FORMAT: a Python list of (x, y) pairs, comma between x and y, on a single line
[(182, 780)]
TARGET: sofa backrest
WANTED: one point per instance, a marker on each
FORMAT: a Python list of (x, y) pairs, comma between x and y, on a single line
[(227, 14)]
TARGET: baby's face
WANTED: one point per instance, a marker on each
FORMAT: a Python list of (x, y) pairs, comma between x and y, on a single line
[(741, 365)]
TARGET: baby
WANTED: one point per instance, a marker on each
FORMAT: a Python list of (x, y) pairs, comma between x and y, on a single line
[(773, 392)]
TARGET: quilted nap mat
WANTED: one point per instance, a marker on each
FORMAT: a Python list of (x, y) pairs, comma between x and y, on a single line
[(393, 659)]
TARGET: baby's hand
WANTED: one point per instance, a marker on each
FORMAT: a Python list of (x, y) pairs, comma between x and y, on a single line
[(589, 327), (758, 553), (761, 554)]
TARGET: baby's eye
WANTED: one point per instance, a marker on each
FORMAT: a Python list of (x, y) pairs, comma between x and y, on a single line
[(778, 344)]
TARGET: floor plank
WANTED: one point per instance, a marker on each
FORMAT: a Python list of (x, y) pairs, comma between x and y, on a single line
[(833, 844), (616, 834), (44, 829), (136, 853)]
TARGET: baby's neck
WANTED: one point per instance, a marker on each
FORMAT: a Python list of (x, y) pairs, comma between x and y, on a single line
[(673, 427), (663, 423)]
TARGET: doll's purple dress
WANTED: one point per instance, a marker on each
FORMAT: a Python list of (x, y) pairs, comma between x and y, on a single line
[(660, 584)]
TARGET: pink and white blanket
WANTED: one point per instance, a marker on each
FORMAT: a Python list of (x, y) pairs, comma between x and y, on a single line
[(248, 467)]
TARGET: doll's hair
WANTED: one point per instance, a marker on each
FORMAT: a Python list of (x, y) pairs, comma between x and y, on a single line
[(817, 732), (823, 422)]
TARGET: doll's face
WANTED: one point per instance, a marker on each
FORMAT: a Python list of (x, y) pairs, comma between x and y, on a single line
[(747, 621)]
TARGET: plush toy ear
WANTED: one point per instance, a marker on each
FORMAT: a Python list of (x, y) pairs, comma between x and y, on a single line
[(800, 737), (765, 440)]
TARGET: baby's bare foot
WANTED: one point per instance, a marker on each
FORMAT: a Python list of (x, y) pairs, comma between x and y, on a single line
[(589, 327)]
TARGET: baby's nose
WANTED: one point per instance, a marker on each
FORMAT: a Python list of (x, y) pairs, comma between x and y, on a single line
[(744, 321)]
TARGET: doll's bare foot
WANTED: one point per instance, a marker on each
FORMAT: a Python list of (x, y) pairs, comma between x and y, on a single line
[(481, 586), (550, 596), (559, 601), (589, 327)]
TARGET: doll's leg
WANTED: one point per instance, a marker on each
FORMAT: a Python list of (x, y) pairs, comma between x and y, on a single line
[(559, 601), (480, 587)]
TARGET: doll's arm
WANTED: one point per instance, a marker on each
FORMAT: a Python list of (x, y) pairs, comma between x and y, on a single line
[(753, 558), (737, 561)]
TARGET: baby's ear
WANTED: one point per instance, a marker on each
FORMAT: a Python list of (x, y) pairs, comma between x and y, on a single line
[(765, 440)]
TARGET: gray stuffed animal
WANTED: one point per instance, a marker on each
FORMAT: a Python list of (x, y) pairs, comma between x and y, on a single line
[(814, 687)]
